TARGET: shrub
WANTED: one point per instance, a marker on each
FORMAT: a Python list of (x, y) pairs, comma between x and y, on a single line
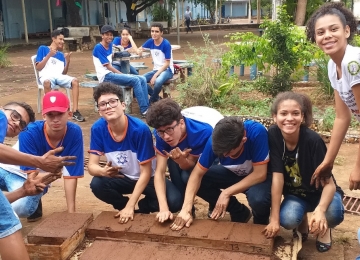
[(4, 61)]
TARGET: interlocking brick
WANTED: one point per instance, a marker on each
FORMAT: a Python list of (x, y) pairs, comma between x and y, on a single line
[(203, 233), (142, 250)]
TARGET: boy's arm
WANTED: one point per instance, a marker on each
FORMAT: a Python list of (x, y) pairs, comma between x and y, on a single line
[(70, 185), (160, 188), (67, 62)]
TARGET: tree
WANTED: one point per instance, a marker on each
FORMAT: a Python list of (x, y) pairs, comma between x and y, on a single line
[(300, 12), (209, 5), (73, 8)]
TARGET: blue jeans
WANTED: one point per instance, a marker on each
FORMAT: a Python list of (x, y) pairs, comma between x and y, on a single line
[(133, 71), (179, 177), (259, 196), (112, 190), (9, 223), (160, 80), (25, 206), (137, 82), (293, 209)]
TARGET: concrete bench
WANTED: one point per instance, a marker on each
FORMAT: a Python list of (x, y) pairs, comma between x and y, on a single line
[(169, 85), (75, 37)]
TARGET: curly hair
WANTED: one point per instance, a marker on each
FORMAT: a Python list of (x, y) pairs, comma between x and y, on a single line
[(107, 88), (334, 8), (303, 101), (163, 113), (25, 106)]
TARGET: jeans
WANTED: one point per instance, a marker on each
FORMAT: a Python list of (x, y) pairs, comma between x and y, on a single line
[(293, 209), (259, 196), (137, 82), (160, 80), (178, 176), (133, 71), (187, 21), (9, 223), (23, 207), (112, 190)]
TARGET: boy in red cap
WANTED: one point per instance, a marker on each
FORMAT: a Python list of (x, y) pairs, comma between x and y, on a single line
[(42, 136)]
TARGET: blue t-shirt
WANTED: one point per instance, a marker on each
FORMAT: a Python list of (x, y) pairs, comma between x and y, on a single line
[(117, 41), (35, 141), (160, 53), (197, 134), (134, 149), (3, 126), (255, 152), (54, 66), (101, 57)]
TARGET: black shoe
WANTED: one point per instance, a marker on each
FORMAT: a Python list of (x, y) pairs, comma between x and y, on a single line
[(323, 247), (78, 117), (37, 214), (242, 216)]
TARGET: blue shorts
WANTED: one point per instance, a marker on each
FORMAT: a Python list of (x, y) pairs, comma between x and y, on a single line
[(60, 80), (9, 222)]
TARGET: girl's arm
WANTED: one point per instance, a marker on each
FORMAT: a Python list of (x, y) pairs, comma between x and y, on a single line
[(134, 48)]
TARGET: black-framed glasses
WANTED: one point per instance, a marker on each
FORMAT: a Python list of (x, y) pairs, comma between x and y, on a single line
[(114, 102), (169, 130), (16, 117)]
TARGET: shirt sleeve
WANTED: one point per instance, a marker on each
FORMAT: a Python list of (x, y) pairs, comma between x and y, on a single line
[(96, 142), (100, 53), (352, 70), (147, 44), (41, 53), (259, 145), (3, 126), (167, 50), (29, 144), (117, 41), (276, 163), (160, 145), (208, 156), (145, 147)]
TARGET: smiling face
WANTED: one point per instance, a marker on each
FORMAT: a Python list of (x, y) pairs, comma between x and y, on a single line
[(59, 42), (13, 127), (331, 35), (289, 117), (108, 111), (107, 38), (125, 35), (156, 34)]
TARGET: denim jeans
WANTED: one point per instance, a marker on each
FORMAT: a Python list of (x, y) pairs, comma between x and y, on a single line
[(137, 82), (160, 80), (293, 209), (133, 71), (179, 177), (25, 206), (9, 222), (259, 196), (112, 190)]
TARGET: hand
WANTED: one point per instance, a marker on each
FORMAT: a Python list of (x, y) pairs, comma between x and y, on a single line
[(51, 163), (67, 57), (125, 215), (35, 184), (318, 223), (321, 175), (271, 229), (354, 179), (152, 81), (162, 216), (130, 37), (52, 52), (221, 205), (177, 155), (112, 171), (184, 218)]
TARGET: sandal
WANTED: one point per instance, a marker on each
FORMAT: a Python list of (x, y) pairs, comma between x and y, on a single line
[(323, 247), (304, 236)]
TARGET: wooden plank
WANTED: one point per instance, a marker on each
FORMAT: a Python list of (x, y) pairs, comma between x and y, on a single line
[(44, 252)]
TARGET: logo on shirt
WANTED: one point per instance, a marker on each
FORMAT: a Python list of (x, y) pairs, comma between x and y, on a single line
[(353, 67), (53, 61), (122, 159), (156, 53)]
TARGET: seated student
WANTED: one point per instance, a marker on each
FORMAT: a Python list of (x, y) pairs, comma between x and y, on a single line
[(180, 139), (41, 137), (128, 146), (242, 148), (161, 54), (14, 117), (295, 153), (53, 66), (127, 43), (102, 57)]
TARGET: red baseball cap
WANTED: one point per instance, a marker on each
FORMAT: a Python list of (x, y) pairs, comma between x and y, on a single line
[(55, 101)]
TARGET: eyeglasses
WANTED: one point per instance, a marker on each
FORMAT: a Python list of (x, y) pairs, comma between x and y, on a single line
[(16, 117), (112, 103), (169, 130)]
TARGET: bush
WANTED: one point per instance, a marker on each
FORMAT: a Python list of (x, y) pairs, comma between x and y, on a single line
[(4, 61)]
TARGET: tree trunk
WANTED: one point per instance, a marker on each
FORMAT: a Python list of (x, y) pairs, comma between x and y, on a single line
[(130, 14), (300, 12), (73, 13)]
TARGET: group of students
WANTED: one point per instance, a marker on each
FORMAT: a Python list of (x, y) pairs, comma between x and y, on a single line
[(207, 155)]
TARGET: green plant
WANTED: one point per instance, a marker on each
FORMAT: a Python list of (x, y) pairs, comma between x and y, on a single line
[(4, 61), (159, 13)]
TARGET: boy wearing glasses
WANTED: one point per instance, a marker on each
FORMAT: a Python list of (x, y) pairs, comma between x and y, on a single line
[(181, 136), (161, 54), (127, 144), (243, 152), (42, 136)]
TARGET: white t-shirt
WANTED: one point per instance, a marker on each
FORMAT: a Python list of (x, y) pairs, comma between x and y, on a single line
[(54, 66), (160, 53), (350, 67), (203, 114), (101, 57)]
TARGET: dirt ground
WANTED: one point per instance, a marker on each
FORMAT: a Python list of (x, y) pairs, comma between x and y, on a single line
[(18, 83)]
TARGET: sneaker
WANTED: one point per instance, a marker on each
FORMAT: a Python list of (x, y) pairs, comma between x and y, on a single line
[(37, 214), (78, 117), (242, 216), (143, 115)]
